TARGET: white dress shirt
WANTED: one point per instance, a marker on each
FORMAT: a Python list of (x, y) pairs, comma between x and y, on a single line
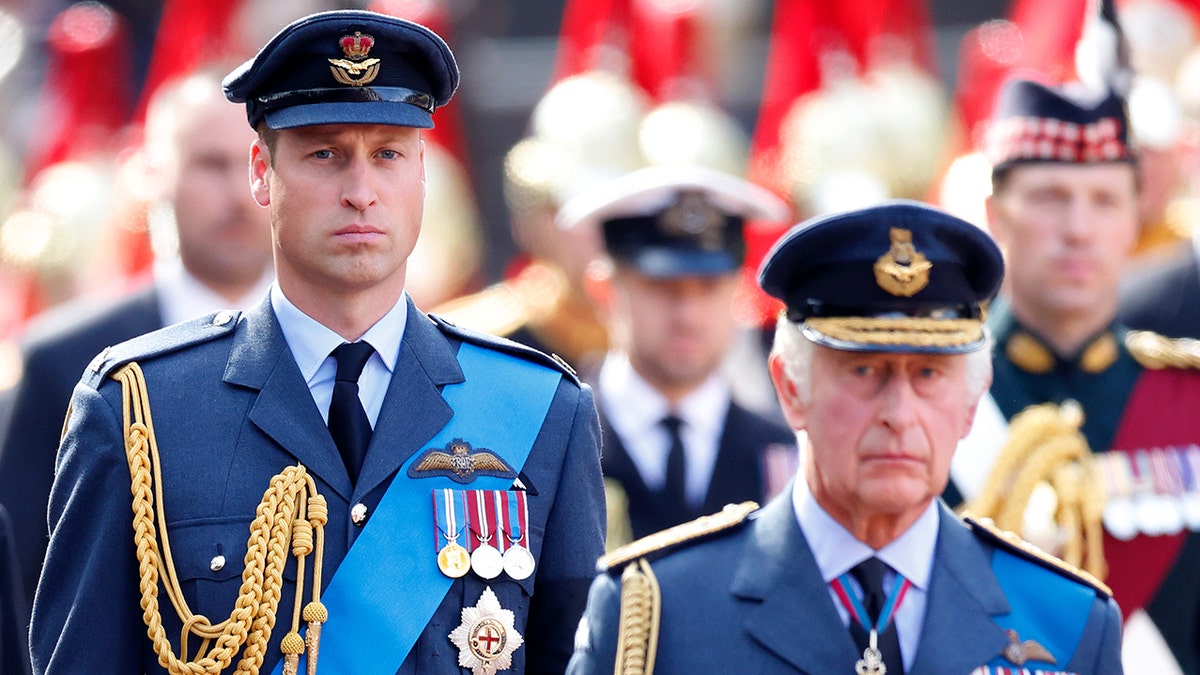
[(182, 297), (312, 345), (837, 552), (635, 409)]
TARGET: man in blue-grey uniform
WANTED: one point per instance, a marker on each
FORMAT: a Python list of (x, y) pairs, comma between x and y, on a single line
[(333, 474), (880, 359)]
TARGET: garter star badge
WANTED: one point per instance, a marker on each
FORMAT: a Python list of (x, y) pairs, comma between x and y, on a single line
[(486, 638), (903, 270)]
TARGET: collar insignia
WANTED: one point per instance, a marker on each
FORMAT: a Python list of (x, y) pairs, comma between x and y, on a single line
[(486, 638), (903, 270), (1019, 651), (356, 69), (457, 462)]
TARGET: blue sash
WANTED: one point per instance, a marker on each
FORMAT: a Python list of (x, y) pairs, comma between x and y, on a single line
[(388, 585), (1045, 607)]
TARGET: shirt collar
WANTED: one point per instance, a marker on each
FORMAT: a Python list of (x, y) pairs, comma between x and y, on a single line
[(837, 551), (181, 296), (643, 407), (311, 342)]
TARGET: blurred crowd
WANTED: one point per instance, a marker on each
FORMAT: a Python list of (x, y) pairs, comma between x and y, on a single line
[(97, 204)]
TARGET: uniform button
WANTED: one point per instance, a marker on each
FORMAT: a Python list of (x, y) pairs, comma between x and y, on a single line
[(222, 318), (358, 514), (217, 563)]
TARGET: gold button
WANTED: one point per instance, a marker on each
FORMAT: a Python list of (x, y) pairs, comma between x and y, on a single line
[(358, 514), (217, 563)]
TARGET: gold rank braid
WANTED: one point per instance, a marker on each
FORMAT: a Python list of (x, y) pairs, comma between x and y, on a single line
[(290, 511), (637, 636), (1045, 445)]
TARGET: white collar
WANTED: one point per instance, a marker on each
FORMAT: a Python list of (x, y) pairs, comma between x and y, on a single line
[(181, 296)]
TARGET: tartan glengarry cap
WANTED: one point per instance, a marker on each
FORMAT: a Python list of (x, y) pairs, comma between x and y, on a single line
[(901, 276), (674, 221), (346, 67), (1033, 122)]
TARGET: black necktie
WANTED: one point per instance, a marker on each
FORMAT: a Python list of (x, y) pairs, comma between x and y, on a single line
[(348, 423), (869, 574), (675, 490)]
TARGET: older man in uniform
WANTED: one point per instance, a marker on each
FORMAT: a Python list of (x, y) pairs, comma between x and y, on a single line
[(403, 496), (1064, 209), (880, 358)]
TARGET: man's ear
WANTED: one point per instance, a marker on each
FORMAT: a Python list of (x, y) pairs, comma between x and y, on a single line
[(791, 402), (598, 284), (260, 168)]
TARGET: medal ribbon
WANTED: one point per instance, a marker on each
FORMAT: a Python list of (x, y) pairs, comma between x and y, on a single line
[(481, 519), (502, 527), (854, 605), (448, 528), (373, 626), (518, 514)]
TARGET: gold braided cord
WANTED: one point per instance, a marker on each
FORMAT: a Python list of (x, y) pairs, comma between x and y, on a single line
[(1155, 352), (637, 635), (1045, 446), (289, 498), (909, 331)]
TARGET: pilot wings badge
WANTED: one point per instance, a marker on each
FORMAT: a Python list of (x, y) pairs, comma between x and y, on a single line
[(460, 462), (1019, 651)]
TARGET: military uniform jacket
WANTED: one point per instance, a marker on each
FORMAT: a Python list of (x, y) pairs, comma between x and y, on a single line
[(1131, 409), (231, 410), (751, 599), (738, 474), (1163, 298)]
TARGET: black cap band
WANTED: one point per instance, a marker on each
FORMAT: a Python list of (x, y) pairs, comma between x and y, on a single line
[(286, 99)]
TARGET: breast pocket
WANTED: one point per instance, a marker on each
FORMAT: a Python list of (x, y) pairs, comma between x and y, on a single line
[(209, 558)]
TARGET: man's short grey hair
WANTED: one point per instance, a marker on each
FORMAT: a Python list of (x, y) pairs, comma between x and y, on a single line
[(796, 352)]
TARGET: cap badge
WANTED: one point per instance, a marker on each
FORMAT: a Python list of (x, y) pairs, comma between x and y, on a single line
[(694, 217), (459, 463), (903, 270), (356, 69), (487, 636)]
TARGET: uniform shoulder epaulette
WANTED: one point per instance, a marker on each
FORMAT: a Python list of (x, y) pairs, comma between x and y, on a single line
[(658, 543), (505, 345), (162, 341), (1012, 542), (1156, 352)]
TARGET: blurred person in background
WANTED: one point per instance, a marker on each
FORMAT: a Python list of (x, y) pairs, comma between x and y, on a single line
[(214, 251)]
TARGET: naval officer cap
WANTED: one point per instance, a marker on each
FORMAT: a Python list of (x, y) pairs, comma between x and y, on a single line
[(674, 221), (898, 277), (346, 67)]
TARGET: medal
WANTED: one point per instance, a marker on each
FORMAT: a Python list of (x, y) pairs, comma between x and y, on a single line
[(518, 561), (486, 560), (452, 559), (1146, 504), (872, 661), (1118, 508), (1169, 492), (487, 637), (1189, 472)]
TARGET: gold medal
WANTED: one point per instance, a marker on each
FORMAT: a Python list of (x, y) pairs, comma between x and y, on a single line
[(454, 561), (487, 636)]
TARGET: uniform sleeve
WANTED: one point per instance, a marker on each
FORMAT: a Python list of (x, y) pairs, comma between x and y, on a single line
[(1099, 649), (596, 641), (574, 540), (86, 616)]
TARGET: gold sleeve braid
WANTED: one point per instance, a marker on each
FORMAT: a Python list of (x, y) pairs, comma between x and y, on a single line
[(1046, 446), (637, 636), (291, 511)]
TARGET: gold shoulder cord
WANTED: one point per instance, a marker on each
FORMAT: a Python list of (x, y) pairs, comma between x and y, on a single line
[(637, 637), (290, 511), (1045, 445)]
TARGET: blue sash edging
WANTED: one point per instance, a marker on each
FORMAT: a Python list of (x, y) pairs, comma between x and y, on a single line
[(388, 585)]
